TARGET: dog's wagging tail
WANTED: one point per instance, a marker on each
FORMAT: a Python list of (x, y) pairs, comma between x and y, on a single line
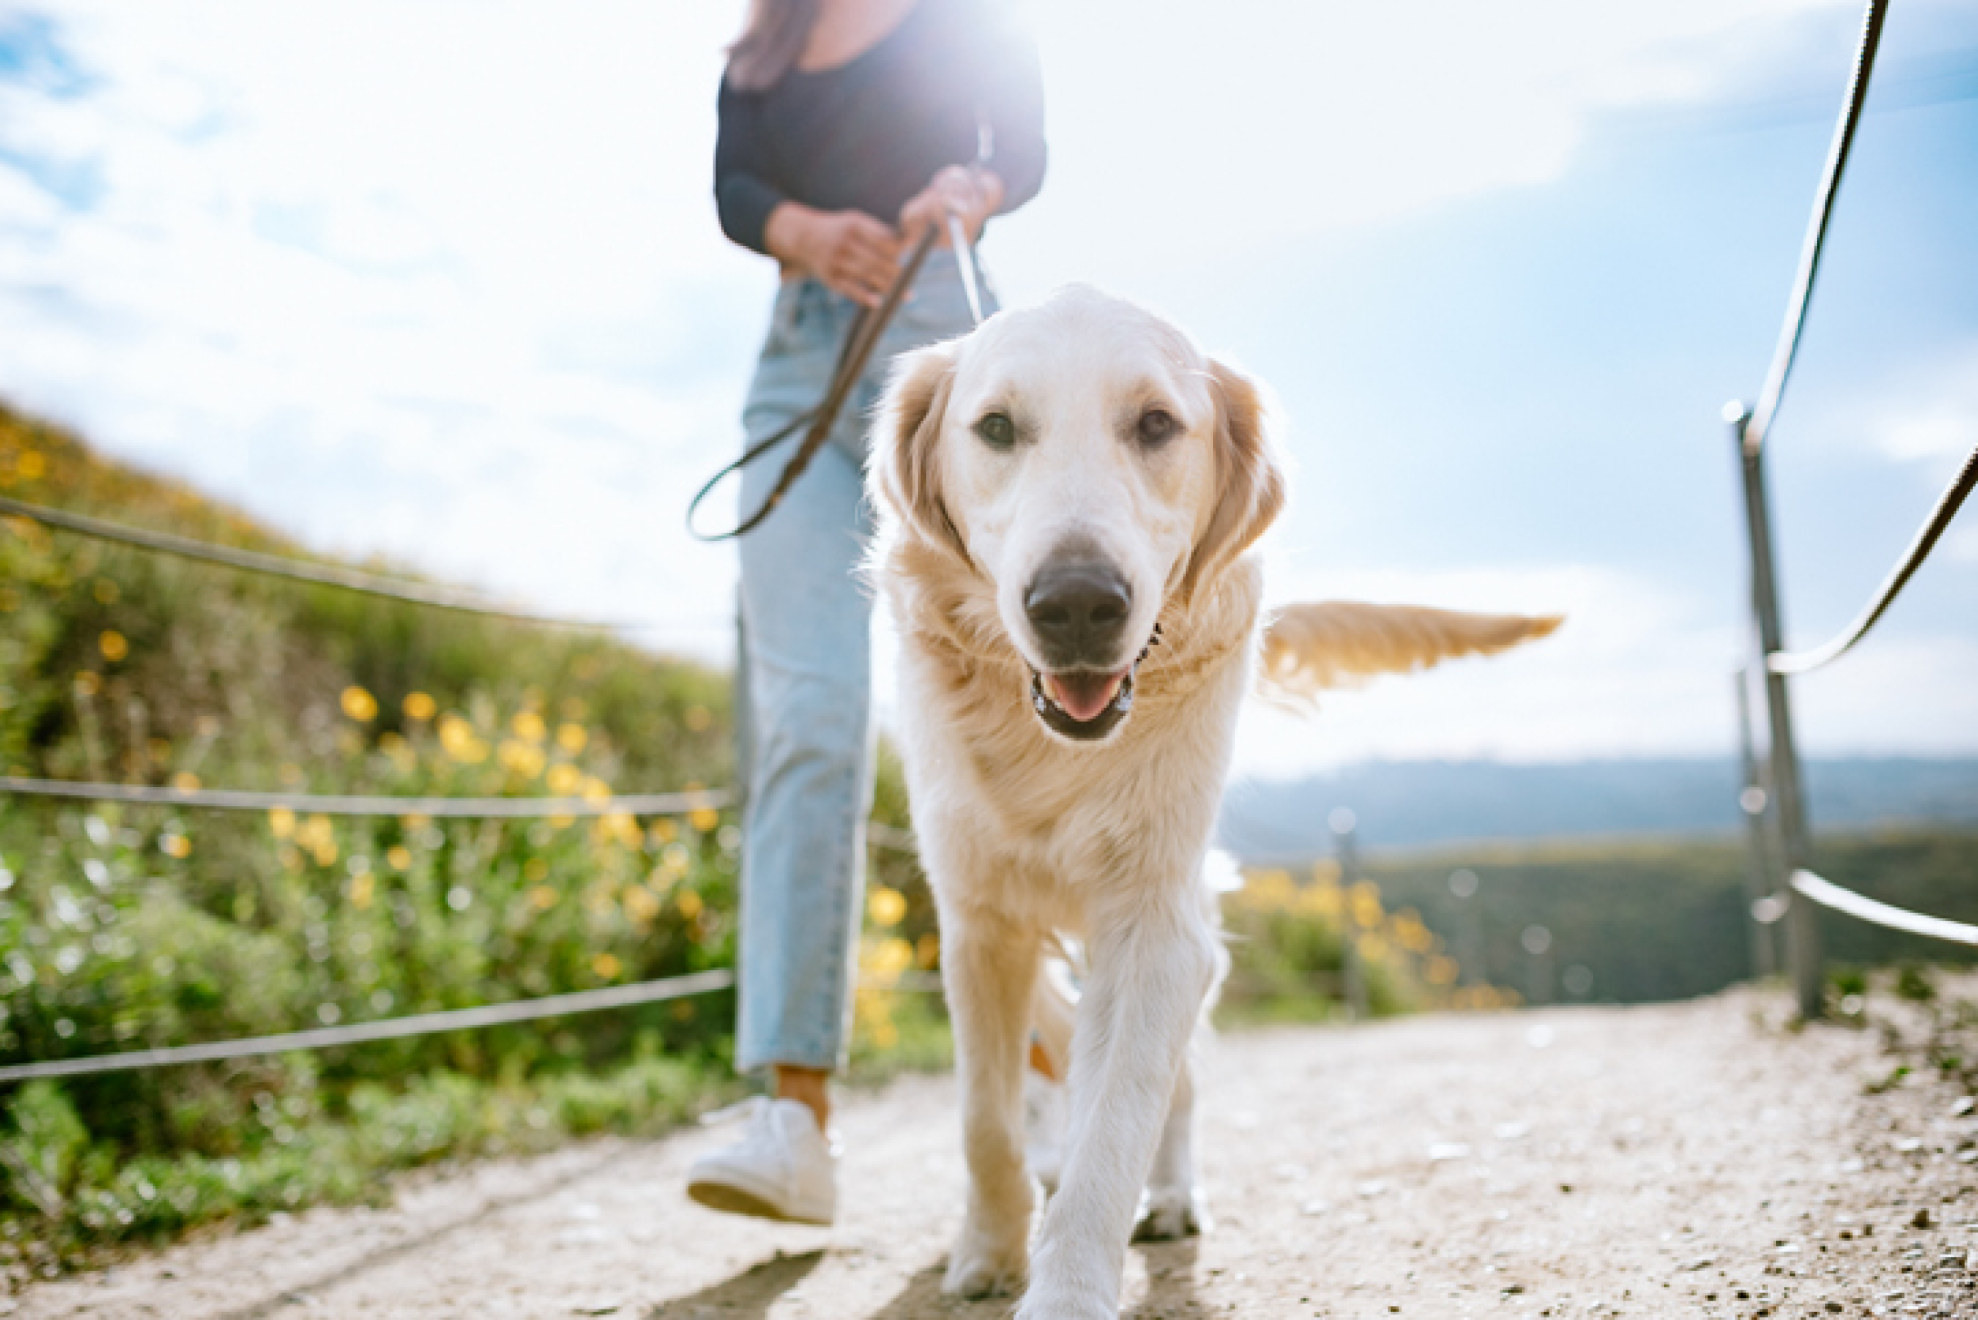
[(1311, 647)]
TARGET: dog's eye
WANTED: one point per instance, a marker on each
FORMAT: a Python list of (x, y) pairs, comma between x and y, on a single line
[(1157, 426), (997, 430)]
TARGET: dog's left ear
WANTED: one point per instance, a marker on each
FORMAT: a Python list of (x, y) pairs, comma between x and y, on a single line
[(904, 463), (1249, 478)]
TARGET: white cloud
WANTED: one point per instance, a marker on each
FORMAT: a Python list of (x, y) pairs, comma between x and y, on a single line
[(1931, 413), (1178, 128)]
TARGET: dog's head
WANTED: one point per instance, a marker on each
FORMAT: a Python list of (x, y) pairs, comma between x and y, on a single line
[(1086, 464)]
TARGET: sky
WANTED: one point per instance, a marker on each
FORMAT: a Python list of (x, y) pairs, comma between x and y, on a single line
[(441, 282)]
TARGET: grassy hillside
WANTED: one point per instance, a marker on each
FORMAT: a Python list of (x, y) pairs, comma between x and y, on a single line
[(127, 927)]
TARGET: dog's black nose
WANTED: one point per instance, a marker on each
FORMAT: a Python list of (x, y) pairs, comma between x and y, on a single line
[(1078, 608)]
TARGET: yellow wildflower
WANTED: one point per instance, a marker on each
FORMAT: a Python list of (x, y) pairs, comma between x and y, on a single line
[(572, 737), (663, 832), (281, 822), (521, 758), (1366, 905), (176, 845), (419, 706), (87, 683), (361, 886), (359, 704), (641, 905), (886, 906), (542, 898), (606, 966), (31, 465), (535, 870), (105, 591), (704, 819), (565, 779), (113, 645), (185, 781), (399, 856), (689, 903), (529, 727)]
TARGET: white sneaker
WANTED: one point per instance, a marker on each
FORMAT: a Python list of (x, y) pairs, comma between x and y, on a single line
[(1046, 1111), (782, 1168)]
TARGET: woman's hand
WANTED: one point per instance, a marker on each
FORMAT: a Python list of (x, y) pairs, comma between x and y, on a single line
[(967, 191), (852, 253)]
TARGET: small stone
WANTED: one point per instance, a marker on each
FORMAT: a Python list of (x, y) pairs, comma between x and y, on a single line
[(1964, 1105), (1922, 1219), (1313, 1208)]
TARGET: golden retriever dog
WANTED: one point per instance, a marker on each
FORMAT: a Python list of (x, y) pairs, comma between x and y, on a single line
[(1069, 497)]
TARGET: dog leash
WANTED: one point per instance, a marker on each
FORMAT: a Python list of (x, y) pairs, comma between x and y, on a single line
[(860, 340)]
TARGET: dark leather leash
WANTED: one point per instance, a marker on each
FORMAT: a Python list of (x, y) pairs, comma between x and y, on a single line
[(860, 339)]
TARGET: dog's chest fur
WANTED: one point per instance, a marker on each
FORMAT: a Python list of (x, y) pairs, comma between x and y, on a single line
[(1048, 824)]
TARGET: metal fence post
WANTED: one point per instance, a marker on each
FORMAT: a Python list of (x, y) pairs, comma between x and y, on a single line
[(1761, 878), (1802, 918), (1358, 1001)]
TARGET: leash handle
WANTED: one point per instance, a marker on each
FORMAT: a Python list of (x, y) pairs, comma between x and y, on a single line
[(860, 340)]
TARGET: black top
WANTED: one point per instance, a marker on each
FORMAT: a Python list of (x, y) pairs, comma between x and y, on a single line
[(869, 134)]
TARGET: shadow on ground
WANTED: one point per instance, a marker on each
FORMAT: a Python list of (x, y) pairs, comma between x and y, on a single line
[(1171, 1291), (747, 1296), (1170, 1281)]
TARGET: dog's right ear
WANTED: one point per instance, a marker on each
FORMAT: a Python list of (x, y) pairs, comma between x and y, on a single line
[(904, 459)]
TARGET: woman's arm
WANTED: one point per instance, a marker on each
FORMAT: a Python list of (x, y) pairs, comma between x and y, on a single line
[(743, 195), (853, 254)]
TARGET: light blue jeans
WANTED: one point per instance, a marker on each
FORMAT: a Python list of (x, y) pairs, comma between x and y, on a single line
[(805, 674)]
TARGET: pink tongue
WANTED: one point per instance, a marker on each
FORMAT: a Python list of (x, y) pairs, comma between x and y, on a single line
[(1084, 696)]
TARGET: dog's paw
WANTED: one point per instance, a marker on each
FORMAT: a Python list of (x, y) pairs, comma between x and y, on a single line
[(1167, 1213), (975, 1270)]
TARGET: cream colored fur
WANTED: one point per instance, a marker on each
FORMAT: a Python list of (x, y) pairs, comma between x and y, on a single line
[(1025, 832)]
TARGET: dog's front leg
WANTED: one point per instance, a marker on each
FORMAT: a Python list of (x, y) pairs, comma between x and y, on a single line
[(1151, 969), (990, 967)]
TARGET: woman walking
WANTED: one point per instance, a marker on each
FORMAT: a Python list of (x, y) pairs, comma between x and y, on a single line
[(847, 128)]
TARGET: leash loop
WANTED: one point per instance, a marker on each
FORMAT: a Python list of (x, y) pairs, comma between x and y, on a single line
[(860, 340)]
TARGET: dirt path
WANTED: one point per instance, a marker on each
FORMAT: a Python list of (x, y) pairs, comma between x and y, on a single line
[(1669, 1161)]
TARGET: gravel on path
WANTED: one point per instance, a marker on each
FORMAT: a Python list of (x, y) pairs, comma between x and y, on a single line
[(1698, 1159)]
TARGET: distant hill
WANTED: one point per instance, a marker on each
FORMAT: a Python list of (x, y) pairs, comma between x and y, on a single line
[(1417, 803)]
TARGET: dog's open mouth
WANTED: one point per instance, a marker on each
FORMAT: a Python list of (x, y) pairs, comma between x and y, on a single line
[(1084, 704)]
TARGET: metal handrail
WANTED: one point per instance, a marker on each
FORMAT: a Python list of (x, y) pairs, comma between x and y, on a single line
[(1816, 231), (1801, 662), (1830, 895)]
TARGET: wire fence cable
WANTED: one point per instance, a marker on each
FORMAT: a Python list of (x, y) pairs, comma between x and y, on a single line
[(344, 804), (297, 570), (1800, 662), (1816, 233), (358, 1033)]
